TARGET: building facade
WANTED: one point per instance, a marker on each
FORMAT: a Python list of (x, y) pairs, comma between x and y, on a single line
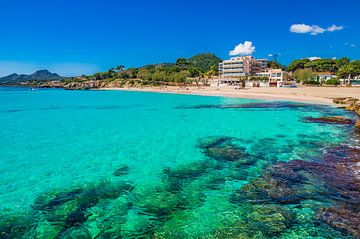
[(276, 78), (249, 71), (236, 67), (242, 66), (322, 77)]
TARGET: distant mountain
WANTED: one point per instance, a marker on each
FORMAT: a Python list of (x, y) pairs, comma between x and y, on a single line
[(40, 75)]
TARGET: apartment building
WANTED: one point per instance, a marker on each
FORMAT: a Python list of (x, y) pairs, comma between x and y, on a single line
[(276, 78), (242, 66)]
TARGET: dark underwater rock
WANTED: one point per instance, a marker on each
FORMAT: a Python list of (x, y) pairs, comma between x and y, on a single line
[(259, 105), (271, 220), (334, 180), (226, 153), (69, 210), (15, 225), (191, 170), (267, 191), (223, 149), (178, 177), (256, 221), (329, 120), (122, 170), (160, 203), (342, 219)]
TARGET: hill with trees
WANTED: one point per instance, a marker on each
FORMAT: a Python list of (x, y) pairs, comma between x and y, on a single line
[(195, 70)]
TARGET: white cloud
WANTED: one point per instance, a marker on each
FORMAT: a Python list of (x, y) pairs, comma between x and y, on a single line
[(64, 69), (274, 54), (313, 29), (245, 48), (350, 44), (303, 28), (334, 28), (313, 58)]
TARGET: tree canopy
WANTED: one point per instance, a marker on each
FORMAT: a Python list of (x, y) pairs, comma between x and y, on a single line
[(319, 65), (350, 69), (182, 72), (204, 61), (276, 65)]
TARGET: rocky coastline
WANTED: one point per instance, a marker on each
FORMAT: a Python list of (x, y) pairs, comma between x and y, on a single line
[(351, 104)]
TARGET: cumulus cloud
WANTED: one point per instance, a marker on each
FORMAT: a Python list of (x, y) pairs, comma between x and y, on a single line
[(64, 69), (334, 28), (313, 29), (313, 58), (245, 48)]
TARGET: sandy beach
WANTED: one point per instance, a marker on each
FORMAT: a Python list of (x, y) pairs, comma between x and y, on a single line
[(316, 95)]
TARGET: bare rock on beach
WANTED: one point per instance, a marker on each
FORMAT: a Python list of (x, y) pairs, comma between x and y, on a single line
[(345, 100), (357, 124), (352, 104)]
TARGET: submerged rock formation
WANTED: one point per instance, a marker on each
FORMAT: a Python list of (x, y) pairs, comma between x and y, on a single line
[(260, 197), (260, 105), (224, 149), (68, 213), (329, 120), (122, 170), (334, 180), (342, 218)]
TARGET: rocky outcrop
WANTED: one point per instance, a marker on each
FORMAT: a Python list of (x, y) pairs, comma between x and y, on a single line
[(84, 85), (345, 100), (354, 107), (357, 124), (350, 103), (92, 84)]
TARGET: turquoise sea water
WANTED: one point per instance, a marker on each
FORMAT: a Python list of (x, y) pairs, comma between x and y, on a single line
[(154, 163)]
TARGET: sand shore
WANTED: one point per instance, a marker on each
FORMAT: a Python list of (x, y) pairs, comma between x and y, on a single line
[(317, 95)]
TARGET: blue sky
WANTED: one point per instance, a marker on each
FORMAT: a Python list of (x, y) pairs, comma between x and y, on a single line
[(73, 37)]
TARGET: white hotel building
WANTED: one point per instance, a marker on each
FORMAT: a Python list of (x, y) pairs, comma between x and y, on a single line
[(230, 72), (242, 66)]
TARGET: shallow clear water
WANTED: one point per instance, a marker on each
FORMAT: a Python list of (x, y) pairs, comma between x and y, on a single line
[(53, 142)]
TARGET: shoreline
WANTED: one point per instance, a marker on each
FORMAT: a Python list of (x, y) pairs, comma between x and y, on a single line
[(312, 95)]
